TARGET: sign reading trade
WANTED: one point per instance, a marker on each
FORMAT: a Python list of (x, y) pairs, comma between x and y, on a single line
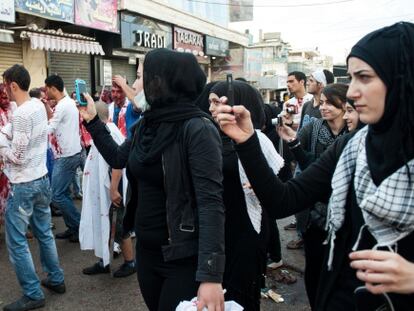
[(188, 41), (61, 10), (7, 11), (143, 34), (102, 15)]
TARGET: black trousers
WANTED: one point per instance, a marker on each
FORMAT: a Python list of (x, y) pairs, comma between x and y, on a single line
[(165, 284), (273, 245), (314, 256)]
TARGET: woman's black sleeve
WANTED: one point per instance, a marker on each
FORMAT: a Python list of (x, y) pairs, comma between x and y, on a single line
[(205, 162), (285, 199), (115, 155), (303, 158)]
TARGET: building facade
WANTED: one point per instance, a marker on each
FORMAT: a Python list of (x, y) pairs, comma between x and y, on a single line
[(76, 39)]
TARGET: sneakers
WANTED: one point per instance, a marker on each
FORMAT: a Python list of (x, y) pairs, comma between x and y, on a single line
[(125, 270), (295, 244), (97, 268), (58, 288), (274, 265), (25, 303), (291, 226), (117, 250)]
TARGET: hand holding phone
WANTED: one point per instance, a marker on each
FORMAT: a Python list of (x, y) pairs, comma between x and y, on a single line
[(80, 89), (230, 90)]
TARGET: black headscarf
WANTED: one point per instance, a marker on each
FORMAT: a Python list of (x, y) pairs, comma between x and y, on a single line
[(390, 141), (202, 101), (246, 95), (360, 124), (172, 82)]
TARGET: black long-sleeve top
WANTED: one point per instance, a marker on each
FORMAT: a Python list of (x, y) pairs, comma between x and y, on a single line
[(204, 158), (335, 290)]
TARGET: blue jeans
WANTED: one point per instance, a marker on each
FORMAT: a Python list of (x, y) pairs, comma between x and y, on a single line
[(29, 203), (64, 171), (76, 184)]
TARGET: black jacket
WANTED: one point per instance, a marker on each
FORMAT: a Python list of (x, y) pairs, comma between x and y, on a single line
[(193, 185)]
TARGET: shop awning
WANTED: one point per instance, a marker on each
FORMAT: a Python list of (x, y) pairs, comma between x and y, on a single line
[(47, 42)]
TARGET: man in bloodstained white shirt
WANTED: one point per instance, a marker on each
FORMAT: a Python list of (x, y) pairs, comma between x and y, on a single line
[(64, 125), (23, 145)]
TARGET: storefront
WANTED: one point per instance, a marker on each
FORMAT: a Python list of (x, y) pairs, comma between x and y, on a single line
[(102, 16), (70, 66), (10, 46), (218, 51), (67, 55), (46, 49), (10, 54), (188, 41), (123, 53)]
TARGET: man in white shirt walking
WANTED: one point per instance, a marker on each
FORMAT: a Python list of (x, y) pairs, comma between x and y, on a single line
[(64, 125), (23, 146)]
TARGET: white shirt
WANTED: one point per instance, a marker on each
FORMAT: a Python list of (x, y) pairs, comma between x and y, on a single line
[(94, 228), (64, 125), (276, 162), (23, 143), (295, 102)]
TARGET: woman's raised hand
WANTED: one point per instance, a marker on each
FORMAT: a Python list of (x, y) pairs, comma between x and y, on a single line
[(89, 112), (235, 122)]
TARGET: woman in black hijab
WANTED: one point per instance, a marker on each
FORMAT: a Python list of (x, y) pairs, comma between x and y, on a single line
[(368, 175), (246, 224), (173, 166)]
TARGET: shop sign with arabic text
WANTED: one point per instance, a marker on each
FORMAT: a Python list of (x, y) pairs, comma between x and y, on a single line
[(60, 10), (7, 11)]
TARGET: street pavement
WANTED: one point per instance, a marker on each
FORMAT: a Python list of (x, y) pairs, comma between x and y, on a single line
[(102, 292)]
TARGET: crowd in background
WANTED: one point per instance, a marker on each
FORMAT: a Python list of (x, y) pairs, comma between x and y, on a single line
[(200, 181)]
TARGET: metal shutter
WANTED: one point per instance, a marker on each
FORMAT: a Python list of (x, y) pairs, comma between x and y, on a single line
[(69, 67), (10, 54), (121, 67)]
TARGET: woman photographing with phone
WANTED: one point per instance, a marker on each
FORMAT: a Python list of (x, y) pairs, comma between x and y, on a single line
[(370, 171), (307, 146)]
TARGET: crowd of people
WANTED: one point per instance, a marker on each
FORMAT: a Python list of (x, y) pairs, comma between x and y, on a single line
[(200, 181)]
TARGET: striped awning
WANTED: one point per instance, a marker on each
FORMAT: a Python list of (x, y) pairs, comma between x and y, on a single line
[(42, 41)]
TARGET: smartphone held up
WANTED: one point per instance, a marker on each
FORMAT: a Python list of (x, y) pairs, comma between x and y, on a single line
[(80, 89), (230, 90)]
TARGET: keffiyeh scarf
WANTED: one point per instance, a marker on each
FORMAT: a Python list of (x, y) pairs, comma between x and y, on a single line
[(276, 162), (387, 209)]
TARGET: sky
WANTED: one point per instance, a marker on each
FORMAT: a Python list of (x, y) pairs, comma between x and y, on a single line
[(333, 29)]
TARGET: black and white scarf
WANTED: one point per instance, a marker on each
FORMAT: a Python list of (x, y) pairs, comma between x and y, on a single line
[(388, 210)]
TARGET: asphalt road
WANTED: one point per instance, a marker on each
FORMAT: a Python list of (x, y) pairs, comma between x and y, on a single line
[(102, 292)]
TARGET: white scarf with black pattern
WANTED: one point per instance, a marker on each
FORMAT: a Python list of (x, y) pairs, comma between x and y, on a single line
[(388, 210)]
